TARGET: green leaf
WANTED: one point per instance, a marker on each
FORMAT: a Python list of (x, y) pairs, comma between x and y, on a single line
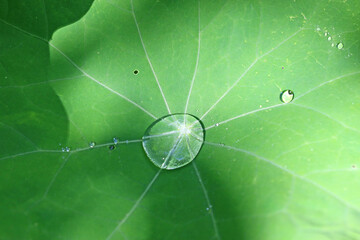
[(268, 170)]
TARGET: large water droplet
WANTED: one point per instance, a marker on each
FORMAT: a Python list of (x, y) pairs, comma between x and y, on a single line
[(287, 96), (92, 144), (173, 140), (340, 45)]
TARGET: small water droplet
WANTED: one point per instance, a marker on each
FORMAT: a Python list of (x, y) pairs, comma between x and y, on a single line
[(67, 149), (92, 144), (115, 140), (63, 149), (217, 124), (112, 147), (136, 72), (326, 33), (287, 96), (260, 106), (333, 44), (318, 29), (282, 67), (221, 144), (340, 45), (354, 166), (329, 38), (207, 209)]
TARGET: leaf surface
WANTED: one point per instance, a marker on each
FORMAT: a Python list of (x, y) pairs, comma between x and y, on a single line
[(268, 170)]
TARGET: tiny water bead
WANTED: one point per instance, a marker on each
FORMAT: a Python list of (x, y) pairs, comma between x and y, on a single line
[(340, 45), (112, 147), (174, 140), (92, 144), (287, 96), (115, 140), (136, 72), (65, 149)]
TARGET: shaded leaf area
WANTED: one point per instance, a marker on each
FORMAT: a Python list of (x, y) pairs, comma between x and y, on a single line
[(267, 170), (32, 118)]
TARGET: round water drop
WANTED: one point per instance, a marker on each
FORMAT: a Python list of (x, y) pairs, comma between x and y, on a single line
[(174, 140), (329, 38), (326, 33), (340, 45), (112, 147), (92, 144), (115, 140), (217, 124), (67, 149), (287, 96)]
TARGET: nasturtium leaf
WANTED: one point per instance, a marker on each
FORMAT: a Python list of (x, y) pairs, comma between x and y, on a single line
[(268, 170)]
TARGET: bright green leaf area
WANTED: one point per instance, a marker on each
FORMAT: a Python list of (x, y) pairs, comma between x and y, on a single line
[(267, 170)]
